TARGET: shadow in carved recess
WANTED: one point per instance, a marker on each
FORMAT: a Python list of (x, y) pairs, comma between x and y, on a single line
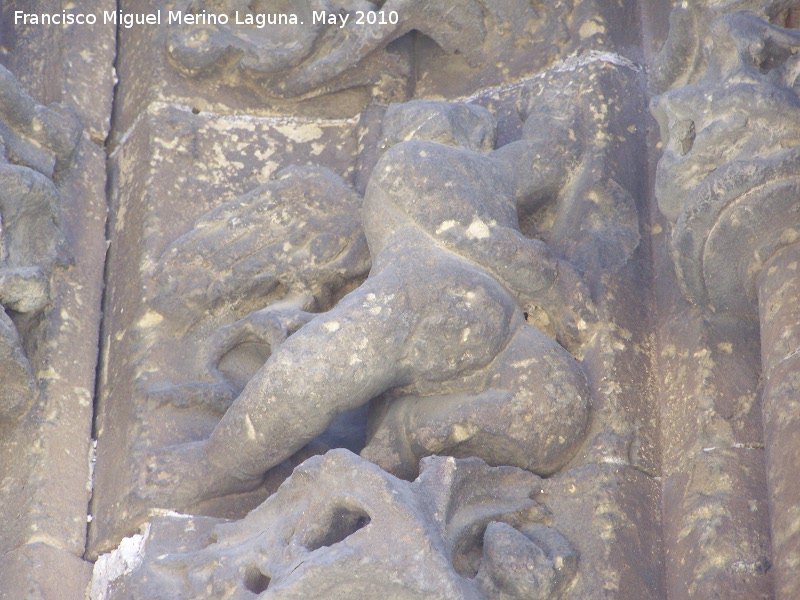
[(437, 331), (468, 531), (36, 143)]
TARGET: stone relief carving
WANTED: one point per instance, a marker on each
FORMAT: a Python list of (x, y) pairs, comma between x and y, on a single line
[(36, 143), (293, 245), (438, 325), (248, 331), (334, 529), (728, 182), (319, 57), (685, 54)]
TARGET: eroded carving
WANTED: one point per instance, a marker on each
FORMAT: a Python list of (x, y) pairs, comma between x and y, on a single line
[(437, 334), (292, 246), (316, 56), (685, 55), (729, 182), (36, 143), (438, 326), (730, 147), (340, 527)]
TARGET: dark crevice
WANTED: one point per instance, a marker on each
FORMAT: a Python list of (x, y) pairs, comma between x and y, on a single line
[(102, 349)]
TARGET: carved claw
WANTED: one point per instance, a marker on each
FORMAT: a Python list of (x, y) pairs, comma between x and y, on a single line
[(537, 566)]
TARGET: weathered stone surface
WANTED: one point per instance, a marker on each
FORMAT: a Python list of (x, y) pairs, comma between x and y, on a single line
[(71, 64), (343, 528), (525, 304), (455, 269), (159, 384), (384, 339), (728, 183), (685, 54), (52, 205), (40, 571)]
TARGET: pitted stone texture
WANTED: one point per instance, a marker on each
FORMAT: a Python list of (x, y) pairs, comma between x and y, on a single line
[(52, 204), (728, 182), (342, 528), (611, 515), (522, 39), (716, 525), (461, 45), (146, 66), (438, 326), (45, 469), (36, 144)]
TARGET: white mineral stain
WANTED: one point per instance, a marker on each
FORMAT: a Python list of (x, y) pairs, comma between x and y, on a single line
[(331, 327), (150, 319), (110, 567), (301, 133), (445, 226), (478, 230), (251, 431), (589, 28)]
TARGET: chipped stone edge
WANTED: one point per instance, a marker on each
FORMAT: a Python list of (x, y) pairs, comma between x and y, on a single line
[(125, 559), (571, 63), (158, 107)]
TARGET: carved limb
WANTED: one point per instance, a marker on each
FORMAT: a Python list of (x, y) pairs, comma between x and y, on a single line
[(512, 421)]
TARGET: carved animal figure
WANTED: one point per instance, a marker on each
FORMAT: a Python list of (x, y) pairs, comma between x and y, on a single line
[(438, 327)]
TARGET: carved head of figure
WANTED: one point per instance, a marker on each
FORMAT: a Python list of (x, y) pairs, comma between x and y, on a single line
[(340, 527)]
